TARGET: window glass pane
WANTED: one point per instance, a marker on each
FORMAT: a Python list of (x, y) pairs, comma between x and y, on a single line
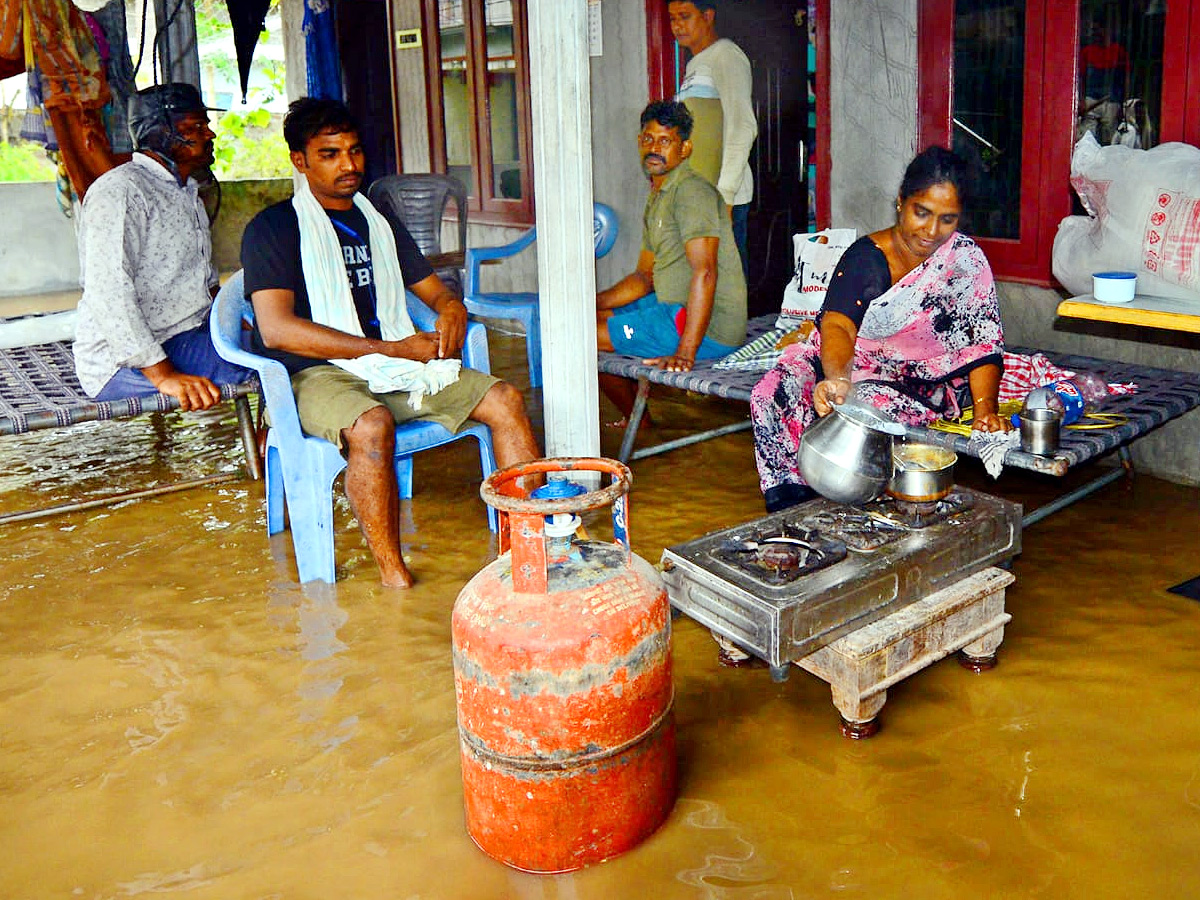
[(989, 95), (1120, 70), (456, 100), (502, 101)]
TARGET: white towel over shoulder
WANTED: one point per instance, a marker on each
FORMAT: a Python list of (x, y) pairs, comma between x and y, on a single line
[(333, 305)]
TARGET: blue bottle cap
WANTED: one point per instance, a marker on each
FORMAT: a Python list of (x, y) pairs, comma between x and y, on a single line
[(560, 489)]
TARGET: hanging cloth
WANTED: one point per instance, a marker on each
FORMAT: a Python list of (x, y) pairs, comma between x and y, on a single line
[(36, 126), (53, 36), (176, 54), (248, 18), (118, 69), (323, 68)]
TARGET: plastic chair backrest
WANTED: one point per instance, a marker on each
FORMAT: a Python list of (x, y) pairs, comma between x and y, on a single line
[(418, 201), (230, 310), (604, 228)]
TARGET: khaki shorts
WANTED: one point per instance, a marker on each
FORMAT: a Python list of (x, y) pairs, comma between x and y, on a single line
[(330, 399)]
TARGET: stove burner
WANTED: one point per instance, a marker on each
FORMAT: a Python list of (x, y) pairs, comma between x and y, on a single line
[(921, 515), (780, 557), (782, 600), (858, 529)]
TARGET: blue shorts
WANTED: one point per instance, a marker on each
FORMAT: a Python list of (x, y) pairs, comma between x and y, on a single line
[(190, 352), (650, 329)]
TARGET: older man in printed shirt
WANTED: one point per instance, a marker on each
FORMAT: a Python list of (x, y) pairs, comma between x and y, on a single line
[(145, 258)]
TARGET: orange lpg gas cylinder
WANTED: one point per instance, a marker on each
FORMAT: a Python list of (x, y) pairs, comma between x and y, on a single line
[(562, 673)]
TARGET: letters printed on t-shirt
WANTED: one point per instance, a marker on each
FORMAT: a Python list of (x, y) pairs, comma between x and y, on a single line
[(358, 264)]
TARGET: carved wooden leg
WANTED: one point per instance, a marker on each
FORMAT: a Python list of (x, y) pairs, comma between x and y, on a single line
[(858, 713), (980, 656)]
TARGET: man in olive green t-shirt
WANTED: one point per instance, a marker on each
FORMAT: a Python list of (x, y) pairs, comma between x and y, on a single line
[(686, 300)]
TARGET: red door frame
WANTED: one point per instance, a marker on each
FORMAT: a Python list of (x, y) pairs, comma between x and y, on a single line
[(1181, 74), (661, 78)]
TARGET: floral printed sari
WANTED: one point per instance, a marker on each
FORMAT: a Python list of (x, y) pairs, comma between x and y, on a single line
[(917, 344)]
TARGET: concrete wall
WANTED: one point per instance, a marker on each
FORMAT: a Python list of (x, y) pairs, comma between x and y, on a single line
[(240, 202), (619, 94), (38, 251), (409, 63), (873, 107)]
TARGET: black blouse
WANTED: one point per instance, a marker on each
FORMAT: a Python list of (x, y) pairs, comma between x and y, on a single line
[(860, 276)]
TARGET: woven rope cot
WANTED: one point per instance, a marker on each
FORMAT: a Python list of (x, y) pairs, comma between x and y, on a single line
[(39, 390)]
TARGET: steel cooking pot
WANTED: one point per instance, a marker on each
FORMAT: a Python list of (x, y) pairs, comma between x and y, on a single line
[(923, 473), (846, 456)]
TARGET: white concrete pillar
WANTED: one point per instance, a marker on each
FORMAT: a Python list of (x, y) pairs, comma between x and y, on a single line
[(562, 167), (295, 61)]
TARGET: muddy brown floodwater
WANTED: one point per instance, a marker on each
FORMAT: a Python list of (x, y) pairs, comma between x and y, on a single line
[(179, 717)]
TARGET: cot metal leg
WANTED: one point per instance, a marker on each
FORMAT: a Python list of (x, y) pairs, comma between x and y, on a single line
[(1126, 468), (635, 419), (249, 439), (693, 439), (80, 506)]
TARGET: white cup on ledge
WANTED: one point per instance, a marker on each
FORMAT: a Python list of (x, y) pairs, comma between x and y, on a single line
[(1114, 287)]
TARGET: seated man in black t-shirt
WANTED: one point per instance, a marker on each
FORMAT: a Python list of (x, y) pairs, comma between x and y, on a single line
[(330, 365)]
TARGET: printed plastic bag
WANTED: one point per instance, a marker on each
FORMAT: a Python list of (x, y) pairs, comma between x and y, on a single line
[(1143, 216), (815, 255)]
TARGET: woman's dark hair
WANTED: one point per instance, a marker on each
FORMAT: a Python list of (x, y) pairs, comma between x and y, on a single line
[(669, 114), (934, 165), (309, 116)]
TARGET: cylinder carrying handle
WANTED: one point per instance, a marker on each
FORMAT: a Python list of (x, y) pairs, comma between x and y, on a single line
[(526, 518)]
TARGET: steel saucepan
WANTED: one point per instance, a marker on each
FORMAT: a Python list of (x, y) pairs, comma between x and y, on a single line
[(922, 473)]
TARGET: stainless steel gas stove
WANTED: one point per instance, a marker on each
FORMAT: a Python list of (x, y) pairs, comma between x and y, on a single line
[(783, 586)]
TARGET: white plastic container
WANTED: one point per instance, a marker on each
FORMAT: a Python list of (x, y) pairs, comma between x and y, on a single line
[(1114, 287)]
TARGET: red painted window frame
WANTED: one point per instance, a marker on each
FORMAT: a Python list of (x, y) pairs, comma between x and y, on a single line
[(662, 72), (1049, 113)]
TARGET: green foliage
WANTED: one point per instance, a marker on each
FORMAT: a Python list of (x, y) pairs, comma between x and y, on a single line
[(248, 144), (25, 161), (248, 147)]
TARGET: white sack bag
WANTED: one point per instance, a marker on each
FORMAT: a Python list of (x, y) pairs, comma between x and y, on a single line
[(1143, 216)]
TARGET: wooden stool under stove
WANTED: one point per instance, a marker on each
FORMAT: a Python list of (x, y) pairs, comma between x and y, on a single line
[(967, 617)]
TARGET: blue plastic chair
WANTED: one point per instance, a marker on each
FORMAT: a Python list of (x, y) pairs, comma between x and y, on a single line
[(302, 468), (523, 306)]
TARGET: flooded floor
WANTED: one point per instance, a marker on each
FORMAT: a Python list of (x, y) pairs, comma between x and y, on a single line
[(179, 716)]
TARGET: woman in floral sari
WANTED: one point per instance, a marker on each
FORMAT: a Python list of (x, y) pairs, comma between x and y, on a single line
[(910, 324)]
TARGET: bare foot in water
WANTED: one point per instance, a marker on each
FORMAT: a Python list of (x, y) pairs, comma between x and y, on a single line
[(399, 578)]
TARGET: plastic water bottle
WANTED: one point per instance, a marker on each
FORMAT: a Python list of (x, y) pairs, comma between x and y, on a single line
[(1072, 397)]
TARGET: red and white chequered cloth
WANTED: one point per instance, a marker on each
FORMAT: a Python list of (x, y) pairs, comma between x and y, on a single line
[(1023, 374)]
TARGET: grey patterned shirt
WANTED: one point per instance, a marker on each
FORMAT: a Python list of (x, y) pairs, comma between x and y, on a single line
[(145, 258)]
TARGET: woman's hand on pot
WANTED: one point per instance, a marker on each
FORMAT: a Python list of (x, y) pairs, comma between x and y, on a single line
[(830, 392)]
